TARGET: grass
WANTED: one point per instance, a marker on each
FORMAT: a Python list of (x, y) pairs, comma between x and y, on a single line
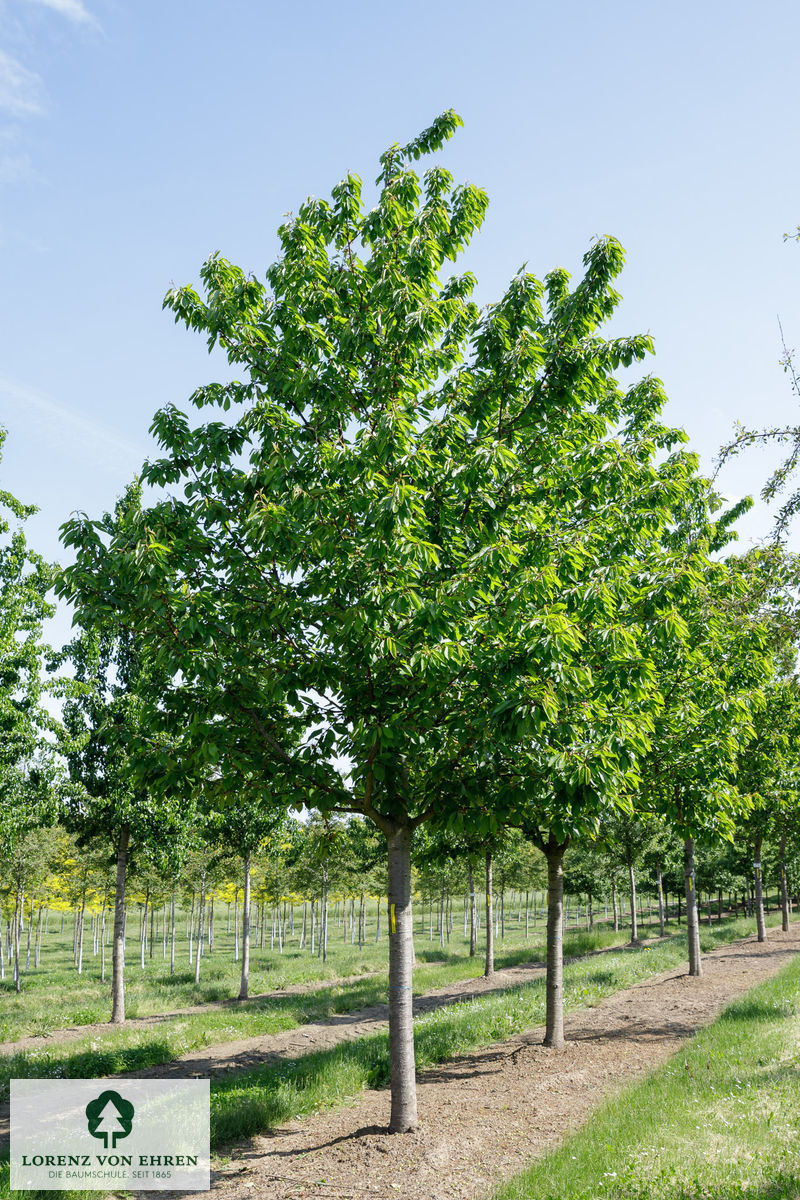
[(719, 1121), (115, 1051), (257, 1100), (133, 1048), (741, 1087), (55, 996)]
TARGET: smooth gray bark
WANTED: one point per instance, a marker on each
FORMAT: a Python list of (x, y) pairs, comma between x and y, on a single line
[(401, 1029), (172, 935), (472, 929), (200, 915), (28, 940), (323, 933), (784, 883), (118, 954), (489, 966), (761, 925), (692, 915), (81, 921), (660, 901), (554, 1019), (17, 919), (632, 886), (245, 932)]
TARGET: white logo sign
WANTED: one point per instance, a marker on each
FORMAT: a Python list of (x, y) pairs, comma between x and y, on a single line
[(110, 1134)]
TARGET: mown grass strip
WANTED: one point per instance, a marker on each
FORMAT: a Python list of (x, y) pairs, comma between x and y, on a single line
[(259, 1099), (719, 1121), (132, 1049)]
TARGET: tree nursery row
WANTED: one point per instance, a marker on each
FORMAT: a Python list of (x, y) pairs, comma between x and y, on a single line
[(423, 602)]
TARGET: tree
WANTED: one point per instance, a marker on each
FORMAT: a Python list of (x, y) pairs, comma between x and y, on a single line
[(242, 820), (385, 558), (627, 838), (711, 681), (25, 580), (108, 749), (26, 767)]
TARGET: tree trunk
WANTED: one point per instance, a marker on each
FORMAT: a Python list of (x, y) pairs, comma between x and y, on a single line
[(245, 932), (143, 928), (17, 919), (37, 953), (472, 929), (28, 945), (323, 930), (632, 884), (81, 920), (236, 925), (692, 915), (759, 890), (784, 883), (489, 967), (172, 935), (660, 901), (614, 904), (118, 957), (401, 1028), (554, 1021), (200, 914)]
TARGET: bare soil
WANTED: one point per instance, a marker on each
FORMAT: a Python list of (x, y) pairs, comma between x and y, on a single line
[(71, 1032), (224, 1057), (483, 1116)]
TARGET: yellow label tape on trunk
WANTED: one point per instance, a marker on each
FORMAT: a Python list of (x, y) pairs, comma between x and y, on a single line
[(392, 920)]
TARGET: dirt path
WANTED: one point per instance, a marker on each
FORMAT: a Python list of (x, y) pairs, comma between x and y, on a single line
[(71, 1032), (484, 1115), (223, 1057)]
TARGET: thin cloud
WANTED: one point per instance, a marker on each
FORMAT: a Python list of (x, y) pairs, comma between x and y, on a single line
[(15, 168), (21, 90), (73, 10), (22, 408)]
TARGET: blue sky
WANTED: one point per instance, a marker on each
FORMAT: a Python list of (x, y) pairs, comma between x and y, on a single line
[(138, 137)]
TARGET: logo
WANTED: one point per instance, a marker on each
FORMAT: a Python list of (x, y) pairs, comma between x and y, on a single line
[(110, 1117), (83, 1135)]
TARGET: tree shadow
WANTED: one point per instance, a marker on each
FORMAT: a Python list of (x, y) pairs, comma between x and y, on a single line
[(756, 1010), (784, 1186)]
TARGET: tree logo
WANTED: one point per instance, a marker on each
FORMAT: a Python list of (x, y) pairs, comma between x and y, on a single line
[(109, 1116)]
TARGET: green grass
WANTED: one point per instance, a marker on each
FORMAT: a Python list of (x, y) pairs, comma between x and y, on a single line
[(115, 1051), (133, 1048), (256, 1100), (722, 1082), (55, 996), (719, 1121)]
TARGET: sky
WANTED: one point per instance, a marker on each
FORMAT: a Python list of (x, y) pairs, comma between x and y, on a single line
[(136, 138)]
